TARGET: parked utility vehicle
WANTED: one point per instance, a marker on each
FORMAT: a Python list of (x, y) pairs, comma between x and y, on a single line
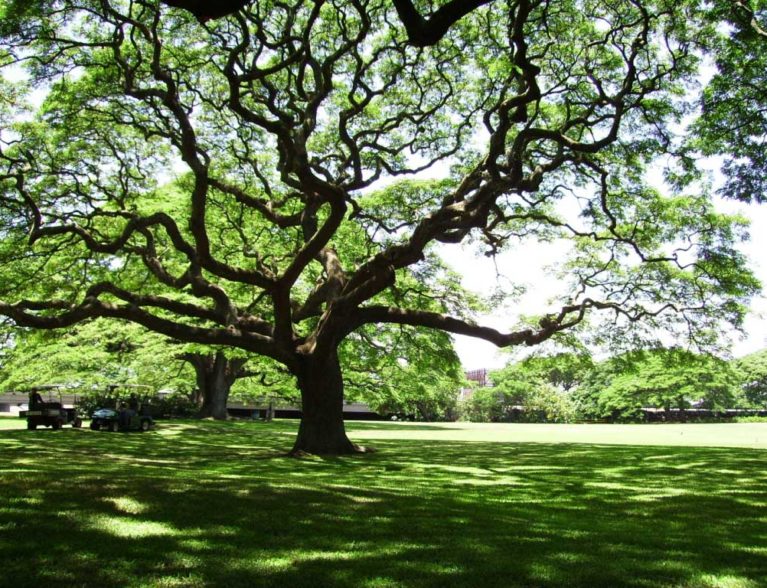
[(49, 414), (128, 415)]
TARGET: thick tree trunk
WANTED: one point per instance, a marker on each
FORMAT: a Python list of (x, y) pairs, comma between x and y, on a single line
[(215, 376), (322, 429), (215, 393), (427, 414)]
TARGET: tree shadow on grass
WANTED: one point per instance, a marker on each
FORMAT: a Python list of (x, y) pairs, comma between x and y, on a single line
[(218, 505)]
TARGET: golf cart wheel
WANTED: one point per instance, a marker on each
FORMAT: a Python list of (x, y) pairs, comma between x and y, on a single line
[(77, 423), (56, 425), (31, 426), (95, 425), (114, 426), (145, 424)]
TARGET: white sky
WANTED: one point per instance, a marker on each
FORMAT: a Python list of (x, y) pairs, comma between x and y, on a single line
[(530, 265)]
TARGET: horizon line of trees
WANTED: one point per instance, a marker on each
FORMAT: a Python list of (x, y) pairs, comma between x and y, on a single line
[(570, 387), (421, 383)]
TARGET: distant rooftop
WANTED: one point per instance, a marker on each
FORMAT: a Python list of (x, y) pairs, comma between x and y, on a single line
[(478, 376)]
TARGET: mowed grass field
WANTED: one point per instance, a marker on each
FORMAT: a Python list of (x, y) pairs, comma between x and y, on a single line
[(220, 504)]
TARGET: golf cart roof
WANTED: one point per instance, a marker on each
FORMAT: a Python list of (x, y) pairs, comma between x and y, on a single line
[(112, 387), (44, 387)]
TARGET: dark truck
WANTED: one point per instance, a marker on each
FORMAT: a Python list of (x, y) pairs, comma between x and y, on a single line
[(49, 414)]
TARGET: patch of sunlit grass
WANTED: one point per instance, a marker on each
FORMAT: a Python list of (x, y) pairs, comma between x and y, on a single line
[(11, 423), (128, 528), (710, 581), (189, 581), (127, 505)]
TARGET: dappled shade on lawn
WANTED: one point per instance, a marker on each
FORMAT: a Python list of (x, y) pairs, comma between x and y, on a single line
[(212, 504)]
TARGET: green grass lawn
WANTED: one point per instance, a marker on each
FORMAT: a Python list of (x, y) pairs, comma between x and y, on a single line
[(219, 504)]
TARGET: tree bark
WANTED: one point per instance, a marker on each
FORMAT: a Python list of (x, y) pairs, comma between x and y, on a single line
[(215, 376), (206, 10), (322, 431), (216, 389), (423, 32)]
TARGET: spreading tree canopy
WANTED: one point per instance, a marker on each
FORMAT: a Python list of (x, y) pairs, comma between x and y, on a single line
[(92, 355), (669, 378), (734, 121), (283, 177), (752, 375)]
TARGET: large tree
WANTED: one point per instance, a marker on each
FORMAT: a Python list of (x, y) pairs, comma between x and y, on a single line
[(751, 371), (320, 160), (215, 375), (667, 378)]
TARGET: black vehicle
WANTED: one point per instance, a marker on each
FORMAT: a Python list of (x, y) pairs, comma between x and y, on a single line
[(110, 419), (49, 414), (128, 415)]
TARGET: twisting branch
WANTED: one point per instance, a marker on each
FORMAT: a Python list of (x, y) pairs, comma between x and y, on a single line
[(754, 23), (568, 317), (205, 10), (33, 314), (423, 32)]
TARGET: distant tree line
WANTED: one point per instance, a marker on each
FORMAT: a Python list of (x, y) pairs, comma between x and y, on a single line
[(412, 374), (657, 384)]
